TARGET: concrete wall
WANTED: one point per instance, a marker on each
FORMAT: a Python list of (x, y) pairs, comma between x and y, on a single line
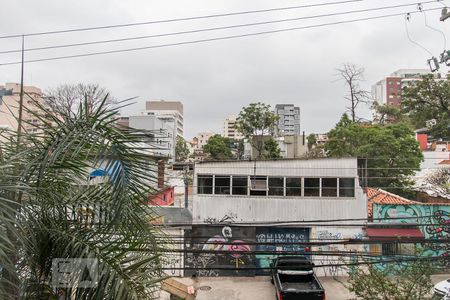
[(349, 251)]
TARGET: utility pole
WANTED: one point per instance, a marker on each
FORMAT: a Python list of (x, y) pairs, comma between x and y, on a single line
[(19, 121)]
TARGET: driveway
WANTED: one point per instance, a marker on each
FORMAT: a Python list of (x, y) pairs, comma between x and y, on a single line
[(260, 288)]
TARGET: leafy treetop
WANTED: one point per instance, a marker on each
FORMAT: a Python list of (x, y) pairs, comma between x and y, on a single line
[(427, 103)]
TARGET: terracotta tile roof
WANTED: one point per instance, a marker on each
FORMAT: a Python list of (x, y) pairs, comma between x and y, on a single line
[(380, 196)]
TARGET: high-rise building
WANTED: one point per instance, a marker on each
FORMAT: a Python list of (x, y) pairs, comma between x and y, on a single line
[(388, 90), (162, 133), (288, 119), (9, 107), (229, 129), (169, 110)]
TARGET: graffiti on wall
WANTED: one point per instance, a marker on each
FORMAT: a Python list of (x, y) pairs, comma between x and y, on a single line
[(433, 220), (278, 240), (336, 265), (216, 242)]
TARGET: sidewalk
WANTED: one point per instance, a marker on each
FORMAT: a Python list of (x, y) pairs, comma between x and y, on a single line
[(260, 288)]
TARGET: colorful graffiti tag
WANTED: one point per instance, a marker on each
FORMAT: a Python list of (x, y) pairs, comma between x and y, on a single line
[(217, 242), (278, 240), (433, 220)]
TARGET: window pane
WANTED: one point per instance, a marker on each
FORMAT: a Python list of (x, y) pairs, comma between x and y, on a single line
[(293, 186), (222, 185), (204, 183), (276, 186), (312, 187), (329, 187), (346, 187), (239, 185)]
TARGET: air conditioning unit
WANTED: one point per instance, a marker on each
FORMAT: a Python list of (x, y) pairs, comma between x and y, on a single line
[(258, 184)]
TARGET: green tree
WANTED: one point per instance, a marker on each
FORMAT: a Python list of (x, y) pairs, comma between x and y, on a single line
[(256, 121), (427, 103), (392, 152), (386, 113), (50, 207), (312, 140), (407, 281), (181, 150), (218, 147), (271, 149)]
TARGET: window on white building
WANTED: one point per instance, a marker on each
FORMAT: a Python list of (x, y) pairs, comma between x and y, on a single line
[(240, 185), (329, 187), (258, 186), (293, 186), (204, 184), (346, 187), (312, 187), (276, 186), (222, 185)]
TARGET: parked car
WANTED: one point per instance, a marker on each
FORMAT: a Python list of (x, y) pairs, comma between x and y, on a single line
[(294, 278), (441, 290)]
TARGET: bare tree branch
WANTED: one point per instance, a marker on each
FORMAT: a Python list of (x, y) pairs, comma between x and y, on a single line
[(352, 75)]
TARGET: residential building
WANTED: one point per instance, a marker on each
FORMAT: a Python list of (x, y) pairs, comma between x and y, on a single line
[(167, 109), (229, 129), (9, 107), (288, 119), (388, 90), (201, 139), (274, 201), (198, 142), (162, 133)]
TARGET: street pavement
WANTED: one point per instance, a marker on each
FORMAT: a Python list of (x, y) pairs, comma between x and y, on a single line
[(260, 288)]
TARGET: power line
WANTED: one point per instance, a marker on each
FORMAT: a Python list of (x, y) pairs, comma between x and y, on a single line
[(210, 39), (209, 29), (343, 264), (181, 19)]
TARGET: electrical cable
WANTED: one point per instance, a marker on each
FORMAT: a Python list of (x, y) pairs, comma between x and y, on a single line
[(208, 29), (409, 37), (208, 39), (436, 30), (180, 19)]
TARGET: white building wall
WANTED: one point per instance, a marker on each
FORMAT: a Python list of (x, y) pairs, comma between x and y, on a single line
[(280, 208), (329, 234)]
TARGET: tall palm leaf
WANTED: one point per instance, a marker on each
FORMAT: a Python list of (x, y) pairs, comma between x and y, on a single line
[(50, 208)]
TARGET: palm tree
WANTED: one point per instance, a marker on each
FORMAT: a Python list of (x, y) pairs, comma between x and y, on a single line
[(49, 208)]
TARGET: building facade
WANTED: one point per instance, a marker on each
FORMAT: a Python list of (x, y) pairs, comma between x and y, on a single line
[(431, 222), (388, 90), (9, 107), (268, 198), (229, 129), (162, 133), (167, 109), (288, 119)]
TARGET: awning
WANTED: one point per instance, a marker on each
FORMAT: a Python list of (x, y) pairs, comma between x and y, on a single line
[(393, 233)]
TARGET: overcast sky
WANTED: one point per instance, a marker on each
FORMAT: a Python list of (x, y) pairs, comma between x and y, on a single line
[(217, 79)]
